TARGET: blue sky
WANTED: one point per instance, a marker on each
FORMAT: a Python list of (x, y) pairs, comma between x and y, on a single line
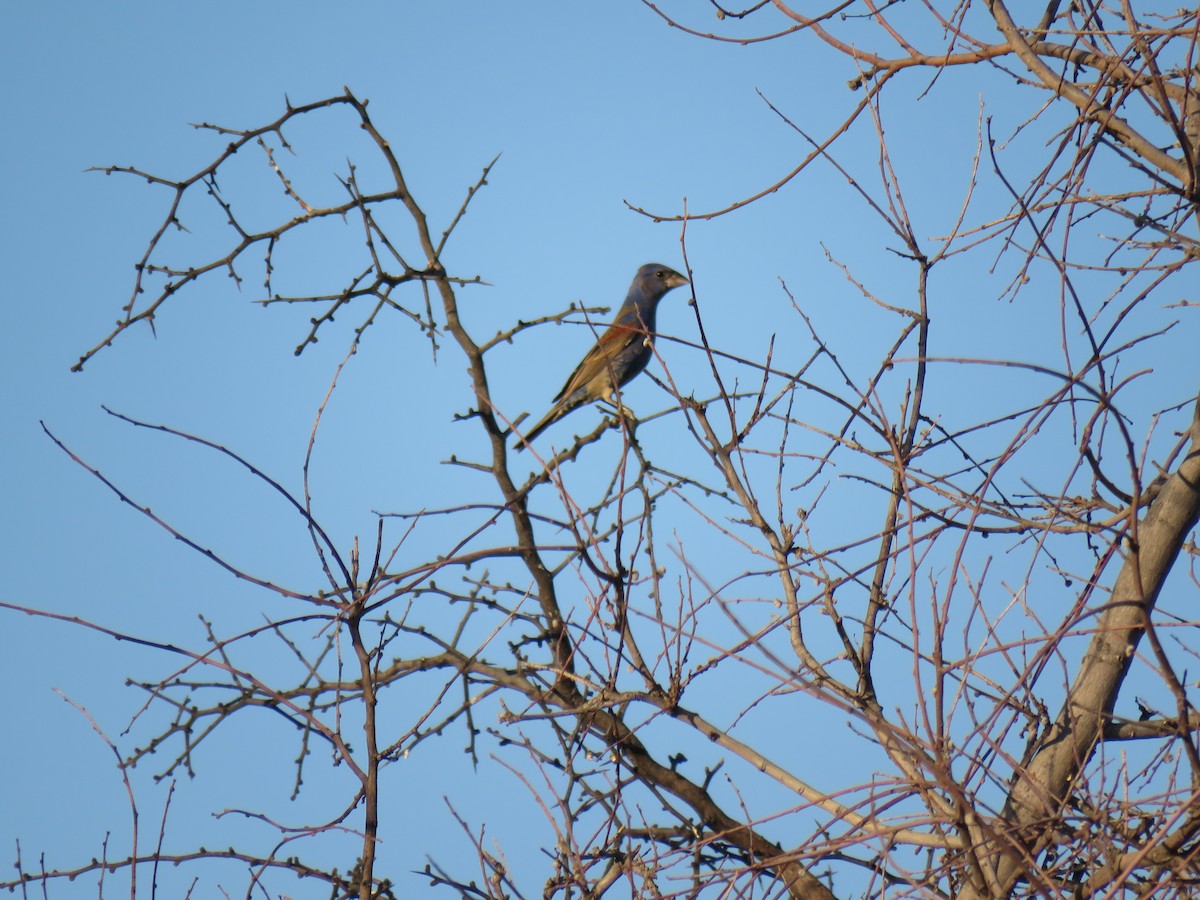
[(588, 105)]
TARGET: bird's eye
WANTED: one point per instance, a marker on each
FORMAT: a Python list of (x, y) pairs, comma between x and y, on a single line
[(660, 274)]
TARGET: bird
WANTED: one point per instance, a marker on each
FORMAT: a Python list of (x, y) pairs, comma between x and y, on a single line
[(622, 351)]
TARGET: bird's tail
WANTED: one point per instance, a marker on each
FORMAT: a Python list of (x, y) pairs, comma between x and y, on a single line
[(547, 420), (557, 411)]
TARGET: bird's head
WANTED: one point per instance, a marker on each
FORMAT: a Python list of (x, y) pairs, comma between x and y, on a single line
[(654, 279)]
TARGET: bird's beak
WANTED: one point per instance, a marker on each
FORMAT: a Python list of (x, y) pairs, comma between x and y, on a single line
[(675, 280)]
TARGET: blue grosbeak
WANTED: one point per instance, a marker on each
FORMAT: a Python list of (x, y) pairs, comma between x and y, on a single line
[(622, 352)]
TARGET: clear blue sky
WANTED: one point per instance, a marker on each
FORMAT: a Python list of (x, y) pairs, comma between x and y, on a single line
[(589, 105)]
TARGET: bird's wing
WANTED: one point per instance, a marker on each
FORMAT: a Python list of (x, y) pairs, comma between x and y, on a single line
[(599, 363)]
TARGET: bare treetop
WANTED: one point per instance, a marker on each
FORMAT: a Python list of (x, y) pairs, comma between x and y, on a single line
[(969, 581)]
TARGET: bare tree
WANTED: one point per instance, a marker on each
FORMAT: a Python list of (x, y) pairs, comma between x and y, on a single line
[(963, 589)]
